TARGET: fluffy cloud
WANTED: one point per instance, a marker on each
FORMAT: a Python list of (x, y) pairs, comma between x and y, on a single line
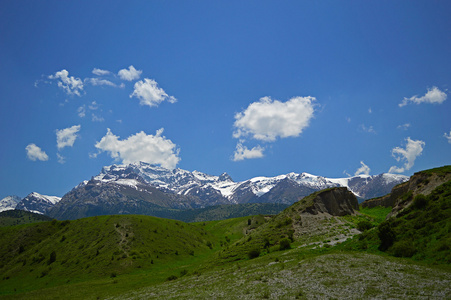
[(433, 95), (242, 152), (364, 169), (408, 155), (130, 74), (99, 81), (70, 84), (100, 72), (154, 149), (148, 93), (66, 137), (448, 136), (35, 153), (268, 119)]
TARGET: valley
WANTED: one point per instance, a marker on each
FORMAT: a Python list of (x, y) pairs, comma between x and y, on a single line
[(324, 246)]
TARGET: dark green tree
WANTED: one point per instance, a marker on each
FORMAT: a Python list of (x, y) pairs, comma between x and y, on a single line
[(386, 235)]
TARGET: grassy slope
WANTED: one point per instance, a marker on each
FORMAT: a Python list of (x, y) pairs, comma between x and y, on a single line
[(220, 266), (93, 252), (422, 231), (308, 271), (92, 248), (18, 217)]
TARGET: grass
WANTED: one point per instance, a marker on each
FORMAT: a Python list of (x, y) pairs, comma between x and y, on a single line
[(378, 214), (141, 257), (421, 232), (19, 217)]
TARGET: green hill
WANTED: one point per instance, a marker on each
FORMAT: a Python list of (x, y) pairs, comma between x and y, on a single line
[(52, 253), (18, 217), (421, 231), (320, 247)]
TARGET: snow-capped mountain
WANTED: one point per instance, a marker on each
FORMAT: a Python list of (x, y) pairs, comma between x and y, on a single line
[(9, 203), (199, 184), (37, 203), (142, 188)]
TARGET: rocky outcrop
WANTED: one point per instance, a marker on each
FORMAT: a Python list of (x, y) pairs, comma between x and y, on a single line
[(390, 199), (403, 194), (335, 201)]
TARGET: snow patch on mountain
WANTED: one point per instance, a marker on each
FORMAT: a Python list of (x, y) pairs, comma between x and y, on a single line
[(199, 184), (37, 203), (9, 203)]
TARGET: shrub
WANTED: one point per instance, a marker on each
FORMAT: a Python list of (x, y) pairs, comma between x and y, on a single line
[(254, 253), (284, 244), (420, 201), (386, 235), (404, 248), (52, 258), (364, 225), (287, 221), (172, 277)]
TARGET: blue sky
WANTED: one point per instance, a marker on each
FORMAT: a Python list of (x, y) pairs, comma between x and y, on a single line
[(251, 88)]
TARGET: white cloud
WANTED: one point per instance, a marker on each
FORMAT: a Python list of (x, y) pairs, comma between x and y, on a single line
[(148, 93), (71, 85), (364, 169), (130, 74), (242, 152), (448, 136), (154, 149), (404, 126), (409, 154), (100, 72), (61, 159), (370, 111), (268, 119), (96, 118), (35, 153), (367, 129), (66, 137), (93, 105), (82, 111), (99, 81), (433, 95)]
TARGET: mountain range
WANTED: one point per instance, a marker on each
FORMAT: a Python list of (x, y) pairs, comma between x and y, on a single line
[(142, 188)]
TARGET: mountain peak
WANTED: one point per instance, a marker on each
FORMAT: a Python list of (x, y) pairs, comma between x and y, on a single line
[(9, 202)]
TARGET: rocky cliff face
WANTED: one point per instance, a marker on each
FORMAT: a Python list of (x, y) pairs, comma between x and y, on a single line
[(336, 202), (403, 194), (390, 199)]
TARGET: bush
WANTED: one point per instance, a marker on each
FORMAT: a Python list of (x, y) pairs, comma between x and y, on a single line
[(284, 244), (364, 225), (52, 258), (172, 277), (386, 235), (254, 253), (287, 221), (403, 248), (420, 201)]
